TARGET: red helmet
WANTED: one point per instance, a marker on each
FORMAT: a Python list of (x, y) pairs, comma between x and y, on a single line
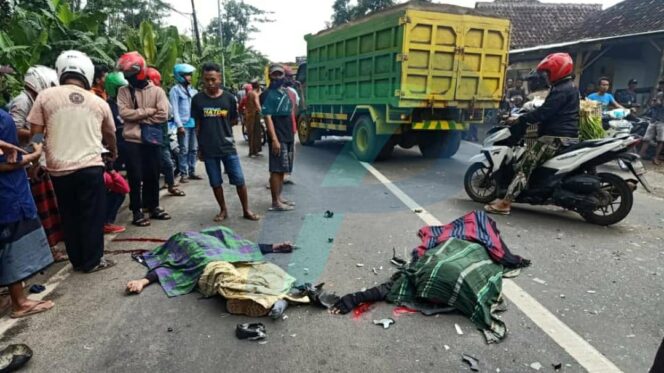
[(132, 63), (154, 76), (557, 66)]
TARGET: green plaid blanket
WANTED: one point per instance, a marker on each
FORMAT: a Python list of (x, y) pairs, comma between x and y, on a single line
[(180, 262), (459, 274)]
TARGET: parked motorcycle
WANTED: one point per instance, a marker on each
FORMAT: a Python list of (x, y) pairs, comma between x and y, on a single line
[(569, 180)]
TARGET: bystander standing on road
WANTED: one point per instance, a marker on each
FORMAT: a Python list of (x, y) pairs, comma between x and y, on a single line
[(24, 249), (278, 111), (167, 167), (112, 84), (214, 111), (99, 85), (75, 122), (144, 108), (252, 119), (180, 98)]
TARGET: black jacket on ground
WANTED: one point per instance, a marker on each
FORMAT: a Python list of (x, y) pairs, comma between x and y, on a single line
[(559, 115)]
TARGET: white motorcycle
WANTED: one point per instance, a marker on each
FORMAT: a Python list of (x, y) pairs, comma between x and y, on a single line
[(569, 180)]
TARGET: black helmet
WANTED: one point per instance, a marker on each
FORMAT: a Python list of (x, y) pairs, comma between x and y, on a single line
[(537, 81)]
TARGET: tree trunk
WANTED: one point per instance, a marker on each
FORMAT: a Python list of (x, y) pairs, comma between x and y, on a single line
[(198, 37)]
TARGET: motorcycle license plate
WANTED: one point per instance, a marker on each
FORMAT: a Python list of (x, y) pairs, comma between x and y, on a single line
[(639, 169)]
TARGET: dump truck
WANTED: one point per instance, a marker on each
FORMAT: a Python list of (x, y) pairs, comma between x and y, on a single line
[(412, 74)]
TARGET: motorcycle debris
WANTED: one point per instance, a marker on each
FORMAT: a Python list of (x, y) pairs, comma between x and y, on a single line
[(374, 271), (591, 292), (384, 322), (536, 365), (330, 240), (458, 329), (539, 281), (472, 362), (418, 211), (558, 366), (359, 265), (396, 260), (447, 348), (328, 214)]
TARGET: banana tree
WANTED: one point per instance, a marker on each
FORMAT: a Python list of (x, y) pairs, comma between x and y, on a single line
[(161, 47)]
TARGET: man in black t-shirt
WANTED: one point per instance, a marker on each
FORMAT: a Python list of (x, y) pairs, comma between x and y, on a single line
[(277, 110), (214, 110)]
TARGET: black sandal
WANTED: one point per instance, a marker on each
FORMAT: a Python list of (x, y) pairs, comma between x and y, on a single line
[(140, 220), (159, 214), (176, 192)]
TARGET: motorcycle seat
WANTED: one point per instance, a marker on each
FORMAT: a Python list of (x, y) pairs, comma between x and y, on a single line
[(585, 144)]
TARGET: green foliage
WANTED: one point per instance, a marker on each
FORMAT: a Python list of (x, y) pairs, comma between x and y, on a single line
[(37, 31), (343, 12)]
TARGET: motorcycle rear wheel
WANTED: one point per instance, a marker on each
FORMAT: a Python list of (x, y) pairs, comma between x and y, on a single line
[(479, 185), (621, 195)]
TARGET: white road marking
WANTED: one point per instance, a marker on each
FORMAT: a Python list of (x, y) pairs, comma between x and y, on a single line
[(585, 354), (7, 322)]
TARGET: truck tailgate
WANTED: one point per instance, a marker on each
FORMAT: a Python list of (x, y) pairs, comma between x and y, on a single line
[(452, 60)]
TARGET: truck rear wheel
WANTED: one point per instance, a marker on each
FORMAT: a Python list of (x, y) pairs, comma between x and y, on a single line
[(305, 132), (367, 145), (439, 144)]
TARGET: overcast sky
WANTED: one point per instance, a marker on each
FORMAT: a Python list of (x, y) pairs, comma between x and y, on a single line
[(283, 40)]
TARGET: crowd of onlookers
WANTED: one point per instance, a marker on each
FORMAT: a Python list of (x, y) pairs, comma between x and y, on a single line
[(80, 137)]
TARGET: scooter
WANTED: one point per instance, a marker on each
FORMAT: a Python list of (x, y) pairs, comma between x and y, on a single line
[(569, 180)]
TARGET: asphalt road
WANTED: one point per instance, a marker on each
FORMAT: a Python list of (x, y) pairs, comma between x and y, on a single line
[(95, 327)]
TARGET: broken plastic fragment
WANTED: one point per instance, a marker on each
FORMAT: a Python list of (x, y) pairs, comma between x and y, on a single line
[(536, 365), (591, 292), (418, 210), (558, 366), (384, 322), (458, 329), (374, 271), (359, 265), (447, 348), (474, 363), (328, 214), (403, 310), (539, 281), (361, 309)]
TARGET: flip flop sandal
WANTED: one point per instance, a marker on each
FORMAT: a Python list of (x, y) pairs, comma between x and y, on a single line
[(103, 264), (288, 203), (160, 214), (176, 192), (35, 309), (281, 209), (140, 220), (252, 332), (245, 307), (14, 357), (219, 218), (492, 210)]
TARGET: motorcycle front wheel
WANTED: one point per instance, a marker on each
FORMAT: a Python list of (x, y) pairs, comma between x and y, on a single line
[(616, 201), (480, 184)]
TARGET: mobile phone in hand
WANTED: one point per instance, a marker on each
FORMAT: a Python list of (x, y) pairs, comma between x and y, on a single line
[(36, 139)]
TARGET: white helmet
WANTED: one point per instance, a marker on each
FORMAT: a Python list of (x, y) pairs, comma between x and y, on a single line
[(75, 62), (38, 78)]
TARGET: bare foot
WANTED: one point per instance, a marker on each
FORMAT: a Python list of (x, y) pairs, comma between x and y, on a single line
[(137, 286), (251, 216), (220, 217)]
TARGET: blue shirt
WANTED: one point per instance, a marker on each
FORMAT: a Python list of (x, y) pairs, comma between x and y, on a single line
[(181, 104), (16, 202), (605, 99)]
